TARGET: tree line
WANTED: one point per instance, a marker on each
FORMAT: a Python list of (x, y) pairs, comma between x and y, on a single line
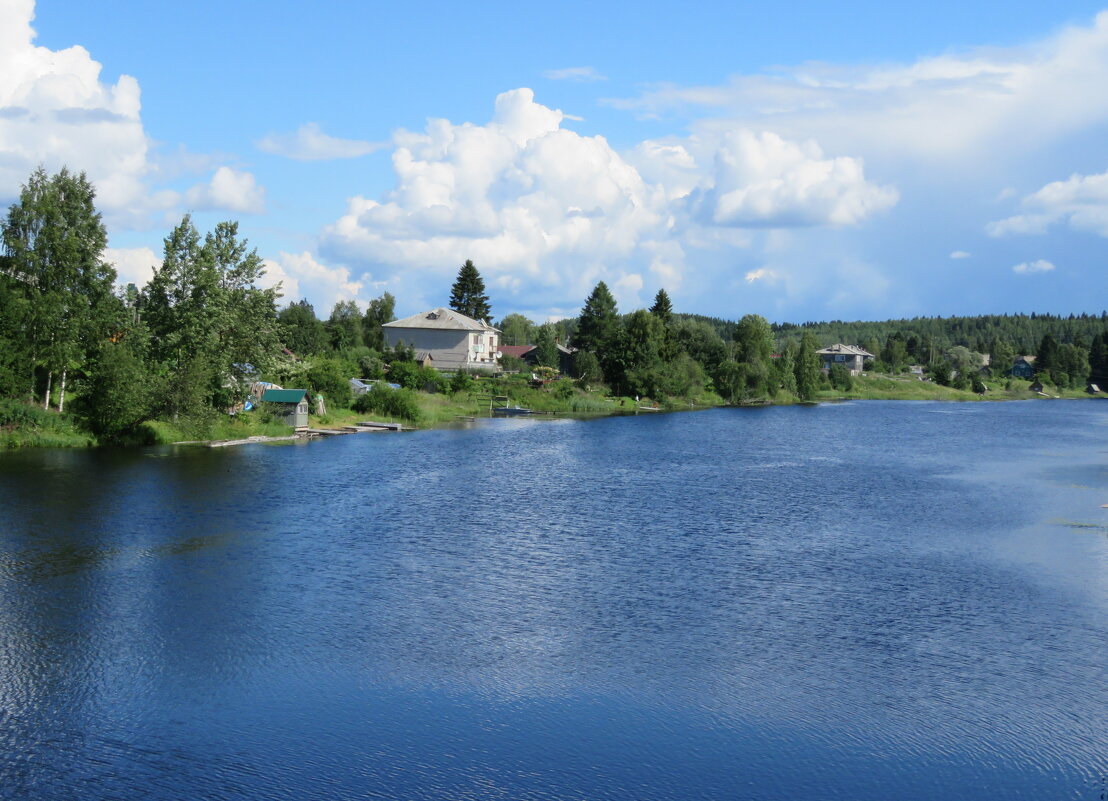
[(185, 345)]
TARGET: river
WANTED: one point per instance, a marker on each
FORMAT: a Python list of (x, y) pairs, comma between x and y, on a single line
[(856, 601)]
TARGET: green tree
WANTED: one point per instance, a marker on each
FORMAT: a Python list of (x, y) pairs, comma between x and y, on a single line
[(662, 308), (468, 293), (807, 368), (753, 339), (701, 341), (206, 315), (515, 329), (586, 368), (895, 353), (304, 333), (344, 326), (328, 378), (1047, 355), (598, 325), (54, 240), (546, 346), (1001, 356), (118, 393), (380, 311)]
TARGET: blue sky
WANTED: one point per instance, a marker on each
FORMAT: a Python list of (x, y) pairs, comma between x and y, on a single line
[(808, 161)]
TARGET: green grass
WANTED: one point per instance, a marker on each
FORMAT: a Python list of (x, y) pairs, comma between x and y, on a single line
[(241, 426), (25, 426), (909, 387)]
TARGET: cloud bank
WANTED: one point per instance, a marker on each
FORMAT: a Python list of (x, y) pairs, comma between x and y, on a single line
[(526, 198)]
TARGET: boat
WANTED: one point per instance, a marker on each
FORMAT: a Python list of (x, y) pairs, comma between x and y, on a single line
[(510, 410)]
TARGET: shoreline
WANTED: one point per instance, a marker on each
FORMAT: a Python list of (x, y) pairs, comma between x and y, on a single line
[(440, 411)]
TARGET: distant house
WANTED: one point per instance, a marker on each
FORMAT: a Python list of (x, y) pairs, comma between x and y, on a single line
[(851, 357), (292, 405), (359, 386), (447, 340), (1036, 386), (1023, 367), (530, 354), (516, 351)]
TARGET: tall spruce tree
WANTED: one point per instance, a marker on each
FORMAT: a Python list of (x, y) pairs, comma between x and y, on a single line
[(468, 293), (662, 308), (598, 325), (807, 368)]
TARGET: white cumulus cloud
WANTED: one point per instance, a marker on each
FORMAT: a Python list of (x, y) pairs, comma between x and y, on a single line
[(228, 190), (55, 111), (301, 275), (1040, 266), (1080, 200), (519, 195), (959, 254), (310, 143), (535, 205), (763, 180), (133, 265)]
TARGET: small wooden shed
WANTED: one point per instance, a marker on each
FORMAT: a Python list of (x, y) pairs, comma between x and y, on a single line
[(292, 405)]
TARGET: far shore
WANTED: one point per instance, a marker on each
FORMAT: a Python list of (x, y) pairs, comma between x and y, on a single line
[(443, 410)]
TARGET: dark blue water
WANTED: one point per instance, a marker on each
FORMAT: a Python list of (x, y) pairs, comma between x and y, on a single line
[(858, 601)]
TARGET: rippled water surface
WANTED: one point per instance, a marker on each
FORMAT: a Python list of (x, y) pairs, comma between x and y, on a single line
[(855, 601)]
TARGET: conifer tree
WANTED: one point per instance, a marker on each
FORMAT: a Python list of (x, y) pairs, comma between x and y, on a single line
[(662, 308), (807, 368), (598, 326), (468, 293)]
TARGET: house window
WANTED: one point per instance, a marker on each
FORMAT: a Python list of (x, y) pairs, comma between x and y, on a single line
[(840, 358)]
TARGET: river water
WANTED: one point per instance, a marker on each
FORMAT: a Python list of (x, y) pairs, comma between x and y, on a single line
[(858, 601)]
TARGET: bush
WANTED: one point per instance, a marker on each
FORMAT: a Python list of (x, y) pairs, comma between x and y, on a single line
[(399, 403), (563, 390), (407, 374), (16, 414), (328, 378), (461, 382), (433, 380), (513, 364), (841, 378)]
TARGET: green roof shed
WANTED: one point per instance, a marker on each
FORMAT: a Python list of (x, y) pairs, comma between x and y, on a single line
[(293, 405)]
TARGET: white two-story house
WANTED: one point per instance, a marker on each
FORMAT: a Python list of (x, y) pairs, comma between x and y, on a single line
[(447, 340)]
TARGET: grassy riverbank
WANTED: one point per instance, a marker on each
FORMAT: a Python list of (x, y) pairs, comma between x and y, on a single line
[(434, 410), (909, 387), (25, 426)]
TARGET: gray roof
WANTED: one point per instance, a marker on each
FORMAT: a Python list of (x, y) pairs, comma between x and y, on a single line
[(847, 349), (443, 319)]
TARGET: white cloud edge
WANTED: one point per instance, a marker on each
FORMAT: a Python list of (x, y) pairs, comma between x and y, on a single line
[(310, 143)]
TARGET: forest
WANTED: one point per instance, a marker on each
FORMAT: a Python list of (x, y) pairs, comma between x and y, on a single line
[(183, 348)]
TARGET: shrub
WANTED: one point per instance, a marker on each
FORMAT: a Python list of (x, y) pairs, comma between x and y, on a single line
[(461, 382), (328, 378), (400, 403), (841, 378), (407, 374), (563, 390)]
